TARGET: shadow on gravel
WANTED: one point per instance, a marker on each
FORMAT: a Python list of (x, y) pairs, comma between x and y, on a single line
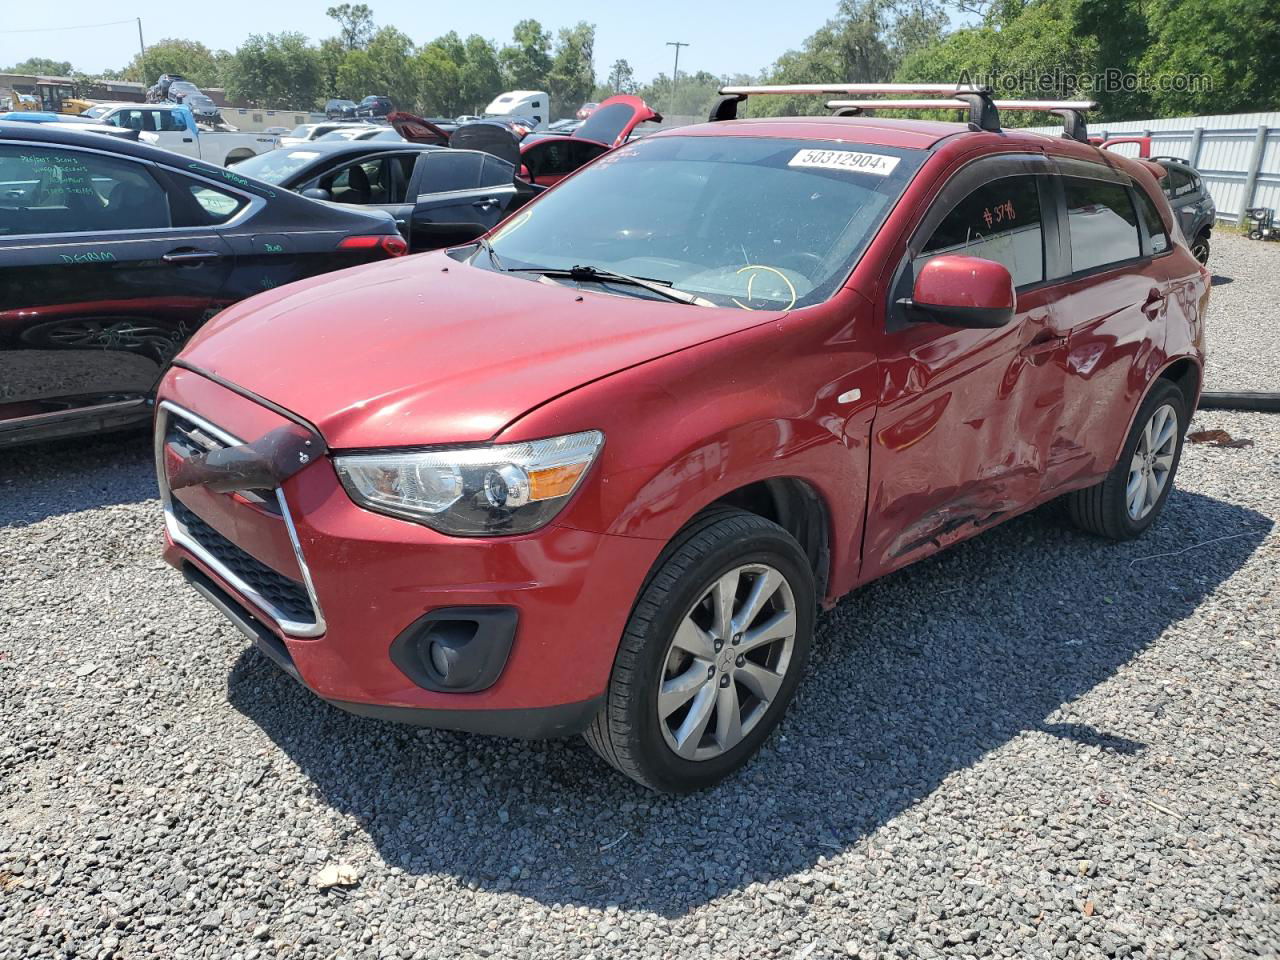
[(913, 678), (66, 476)]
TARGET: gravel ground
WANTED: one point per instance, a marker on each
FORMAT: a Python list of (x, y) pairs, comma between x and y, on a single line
[(1034, 745), (1244, 342)]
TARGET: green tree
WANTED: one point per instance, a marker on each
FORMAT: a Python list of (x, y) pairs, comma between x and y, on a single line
[(387, 66), (622, 79), (526, 60), (440, 64), (355, 24), (1236, 43), (191, 58), (42, 66), (276, 71), (1039, 40), (572, 76), (481, 75), (865, 42), (331, 54)]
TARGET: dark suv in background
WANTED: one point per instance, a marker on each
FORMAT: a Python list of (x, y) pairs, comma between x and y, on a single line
[(1191, 203), (374, 107), (340, 110)]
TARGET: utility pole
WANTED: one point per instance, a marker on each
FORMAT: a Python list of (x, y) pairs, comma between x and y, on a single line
[(142, 57), (675, 71)]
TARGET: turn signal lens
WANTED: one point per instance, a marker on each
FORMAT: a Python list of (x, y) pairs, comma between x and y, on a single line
[(554, 481)]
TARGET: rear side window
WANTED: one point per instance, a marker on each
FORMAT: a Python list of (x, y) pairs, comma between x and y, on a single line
[(1177, 183), (999, 221), (1102, 222), (1151, 219), (215, 206), (45, 191)]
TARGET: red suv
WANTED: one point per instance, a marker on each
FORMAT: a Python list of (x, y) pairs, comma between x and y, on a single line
[(596, 473)]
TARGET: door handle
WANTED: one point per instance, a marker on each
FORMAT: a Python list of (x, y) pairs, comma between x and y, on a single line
[(190, 256), (1151, 306), (487, 203), (1042, 346), (186, 139)]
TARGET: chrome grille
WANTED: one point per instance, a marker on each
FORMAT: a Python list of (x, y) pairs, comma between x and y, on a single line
[(292, 604)]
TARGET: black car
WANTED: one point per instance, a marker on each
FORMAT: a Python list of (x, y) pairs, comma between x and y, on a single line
[(374, 106), (340, 110), (438, 196), (1191, 202), (112, 253)]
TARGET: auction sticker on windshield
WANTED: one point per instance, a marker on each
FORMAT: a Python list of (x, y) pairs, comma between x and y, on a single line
[(849, 160)]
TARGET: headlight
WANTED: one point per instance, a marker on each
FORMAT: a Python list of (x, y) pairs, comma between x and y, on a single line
[(473, 491)]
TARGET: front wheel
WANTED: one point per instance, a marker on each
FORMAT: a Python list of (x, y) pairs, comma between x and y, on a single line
[(711, 656), (1132, 496)]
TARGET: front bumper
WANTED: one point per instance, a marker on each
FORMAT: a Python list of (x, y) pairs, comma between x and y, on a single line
[(368, 577)]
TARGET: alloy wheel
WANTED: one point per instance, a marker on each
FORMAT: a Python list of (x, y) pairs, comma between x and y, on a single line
[(1152, 462), (727, 661)]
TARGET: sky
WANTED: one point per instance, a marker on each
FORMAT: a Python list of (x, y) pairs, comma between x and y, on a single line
[(724, 38)]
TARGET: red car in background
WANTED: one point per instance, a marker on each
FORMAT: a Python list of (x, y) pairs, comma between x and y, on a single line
[(598, 472), (542, 159)]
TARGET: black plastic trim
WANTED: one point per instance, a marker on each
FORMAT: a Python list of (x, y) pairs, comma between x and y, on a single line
[(528, 723), (496, 631), (1252, 402), (253, 628)]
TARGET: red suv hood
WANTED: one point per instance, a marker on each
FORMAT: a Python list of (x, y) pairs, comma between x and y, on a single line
[(426, 350)]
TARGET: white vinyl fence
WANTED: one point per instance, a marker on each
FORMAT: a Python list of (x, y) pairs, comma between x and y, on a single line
[(1238, 155)]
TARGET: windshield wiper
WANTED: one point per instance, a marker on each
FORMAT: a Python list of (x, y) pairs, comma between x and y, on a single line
[(596, 275), (484, 244)]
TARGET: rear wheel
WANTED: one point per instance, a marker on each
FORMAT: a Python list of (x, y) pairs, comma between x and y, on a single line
[(711, 656), (1200, 247), (1132, 496)]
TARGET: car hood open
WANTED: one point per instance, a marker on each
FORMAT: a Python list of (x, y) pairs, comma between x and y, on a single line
[(426, 349)]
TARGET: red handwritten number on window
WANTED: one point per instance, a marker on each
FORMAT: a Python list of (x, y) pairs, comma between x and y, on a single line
[(1003, 213)]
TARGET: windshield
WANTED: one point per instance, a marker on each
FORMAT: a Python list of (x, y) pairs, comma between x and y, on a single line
[(756, 223), (95, 111), (275, 166)]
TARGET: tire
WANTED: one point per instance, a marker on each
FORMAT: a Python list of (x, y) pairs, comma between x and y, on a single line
[(1105, 508), (1200, 247), (720, 546)]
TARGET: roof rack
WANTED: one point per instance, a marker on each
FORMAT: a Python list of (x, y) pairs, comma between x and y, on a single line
[(984, 111)]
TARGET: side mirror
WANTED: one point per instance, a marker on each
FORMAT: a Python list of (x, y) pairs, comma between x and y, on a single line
[(317, 193), (963, 292)]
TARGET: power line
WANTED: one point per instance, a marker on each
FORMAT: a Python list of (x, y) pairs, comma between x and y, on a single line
[(83, 26)]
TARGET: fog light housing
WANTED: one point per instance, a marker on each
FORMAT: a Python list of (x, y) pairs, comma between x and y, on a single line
[(456, 649)]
